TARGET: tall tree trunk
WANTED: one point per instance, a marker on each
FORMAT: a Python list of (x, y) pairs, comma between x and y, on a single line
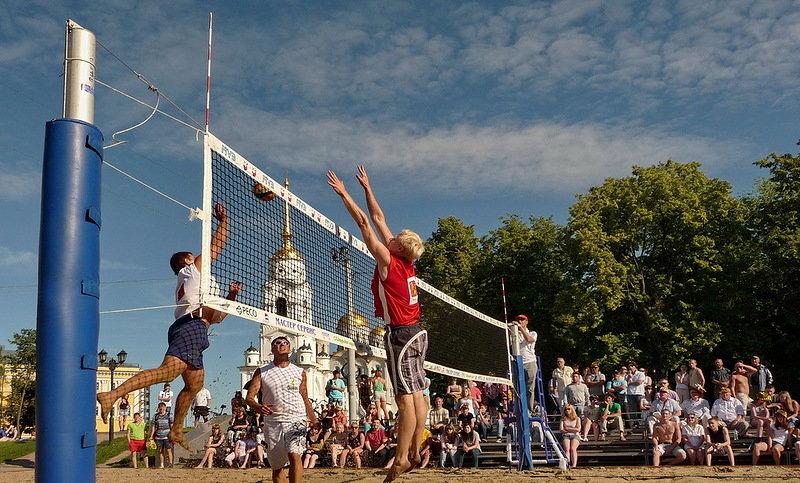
[(21, 405)]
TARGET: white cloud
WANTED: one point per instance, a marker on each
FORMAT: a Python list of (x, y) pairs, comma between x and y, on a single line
[(17, 258), (725, 49), (19, 185), (547, 156), (121, 266)]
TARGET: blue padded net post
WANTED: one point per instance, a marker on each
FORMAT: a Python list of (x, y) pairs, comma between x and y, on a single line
[(68, 302)]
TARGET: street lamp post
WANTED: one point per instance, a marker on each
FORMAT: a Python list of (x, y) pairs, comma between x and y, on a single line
[(342, 258), (112, 364)]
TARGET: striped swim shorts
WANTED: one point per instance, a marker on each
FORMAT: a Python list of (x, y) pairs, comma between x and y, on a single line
[(406, 346)]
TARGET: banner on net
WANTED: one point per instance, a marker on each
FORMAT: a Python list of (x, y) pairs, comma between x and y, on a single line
[(278, 321)]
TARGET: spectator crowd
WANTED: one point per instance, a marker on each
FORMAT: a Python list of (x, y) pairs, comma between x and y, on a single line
[(688, 417)]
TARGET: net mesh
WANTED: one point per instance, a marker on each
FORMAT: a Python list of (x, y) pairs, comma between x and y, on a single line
[(306, 274)]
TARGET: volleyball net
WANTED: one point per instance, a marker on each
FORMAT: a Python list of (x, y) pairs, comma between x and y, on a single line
[(307, 275)]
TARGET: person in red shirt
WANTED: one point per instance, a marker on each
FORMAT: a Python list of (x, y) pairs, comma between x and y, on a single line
[(394, 288)]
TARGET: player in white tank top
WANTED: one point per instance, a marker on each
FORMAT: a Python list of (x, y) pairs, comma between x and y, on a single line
[(280, 389), (285, 407)]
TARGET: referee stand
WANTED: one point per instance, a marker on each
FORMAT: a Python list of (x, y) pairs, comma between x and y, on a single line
[(519, 442)]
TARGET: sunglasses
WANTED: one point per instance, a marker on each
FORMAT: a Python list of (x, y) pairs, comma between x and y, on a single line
[(281, 342)]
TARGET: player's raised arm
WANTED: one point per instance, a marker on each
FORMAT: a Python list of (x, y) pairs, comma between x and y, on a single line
[(378, 249), (219, 237), (375, 211)]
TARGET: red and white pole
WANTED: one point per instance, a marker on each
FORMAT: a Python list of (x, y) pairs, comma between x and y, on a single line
[(208, 74)]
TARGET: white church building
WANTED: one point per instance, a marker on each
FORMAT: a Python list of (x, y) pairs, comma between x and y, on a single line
[(288, 293)]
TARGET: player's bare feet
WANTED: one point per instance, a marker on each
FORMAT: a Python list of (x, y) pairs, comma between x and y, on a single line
[(397, 469), (106, 403), (414, 463), (178, 437)]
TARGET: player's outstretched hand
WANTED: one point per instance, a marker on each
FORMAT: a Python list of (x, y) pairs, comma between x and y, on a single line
[(362, 177), (235, 287), (220, 212), (335, 183)]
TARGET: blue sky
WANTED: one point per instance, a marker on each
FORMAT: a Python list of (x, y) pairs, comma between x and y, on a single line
[(475, 110)]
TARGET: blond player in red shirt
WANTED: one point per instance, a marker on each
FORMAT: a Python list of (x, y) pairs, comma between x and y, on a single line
[(394, 288)]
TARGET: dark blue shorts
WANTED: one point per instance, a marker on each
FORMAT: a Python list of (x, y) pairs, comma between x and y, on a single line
[(188, 338), (163, 444)]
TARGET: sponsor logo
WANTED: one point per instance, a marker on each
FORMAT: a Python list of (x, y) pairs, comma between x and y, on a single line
[(228, 153), (413, 292), (294, 326), (341, 341), (249, 169), (247, 311)]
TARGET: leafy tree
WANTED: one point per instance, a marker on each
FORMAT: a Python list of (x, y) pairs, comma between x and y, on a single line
[(21, 366), (649, 252), (531, 258), (450, 258), (773, 280)]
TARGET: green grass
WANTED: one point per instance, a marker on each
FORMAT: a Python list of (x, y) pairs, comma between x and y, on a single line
[(107, 450), (10, 450)]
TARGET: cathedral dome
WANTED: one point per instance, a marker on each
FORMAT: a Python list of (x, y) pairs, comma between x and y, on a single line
[(376, 336), (345, 323), (287, 252)]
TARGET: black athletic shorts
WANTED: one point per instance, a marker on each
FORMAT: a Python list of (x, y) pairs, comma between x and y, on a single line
[(201, 411)]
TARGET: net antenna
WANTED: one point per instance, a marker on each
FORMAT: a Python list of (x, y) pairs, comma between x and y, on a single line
[(308, 276), (208, 71)]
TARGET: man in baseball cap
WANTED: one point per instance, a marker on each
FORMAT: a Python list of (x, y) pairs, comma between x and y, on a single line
[(527, 346)]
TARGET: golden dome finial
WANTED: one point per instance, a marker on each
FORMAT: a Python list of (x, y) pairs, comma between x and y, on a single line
[(287, 250)]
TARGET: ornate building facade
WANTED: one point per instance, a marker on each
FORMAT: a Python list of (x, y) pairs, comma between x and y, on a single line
[(288, 293)]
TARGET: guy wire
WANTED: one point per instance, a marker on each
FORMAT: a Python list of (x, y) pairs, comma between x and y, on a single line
[(149, 84)]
